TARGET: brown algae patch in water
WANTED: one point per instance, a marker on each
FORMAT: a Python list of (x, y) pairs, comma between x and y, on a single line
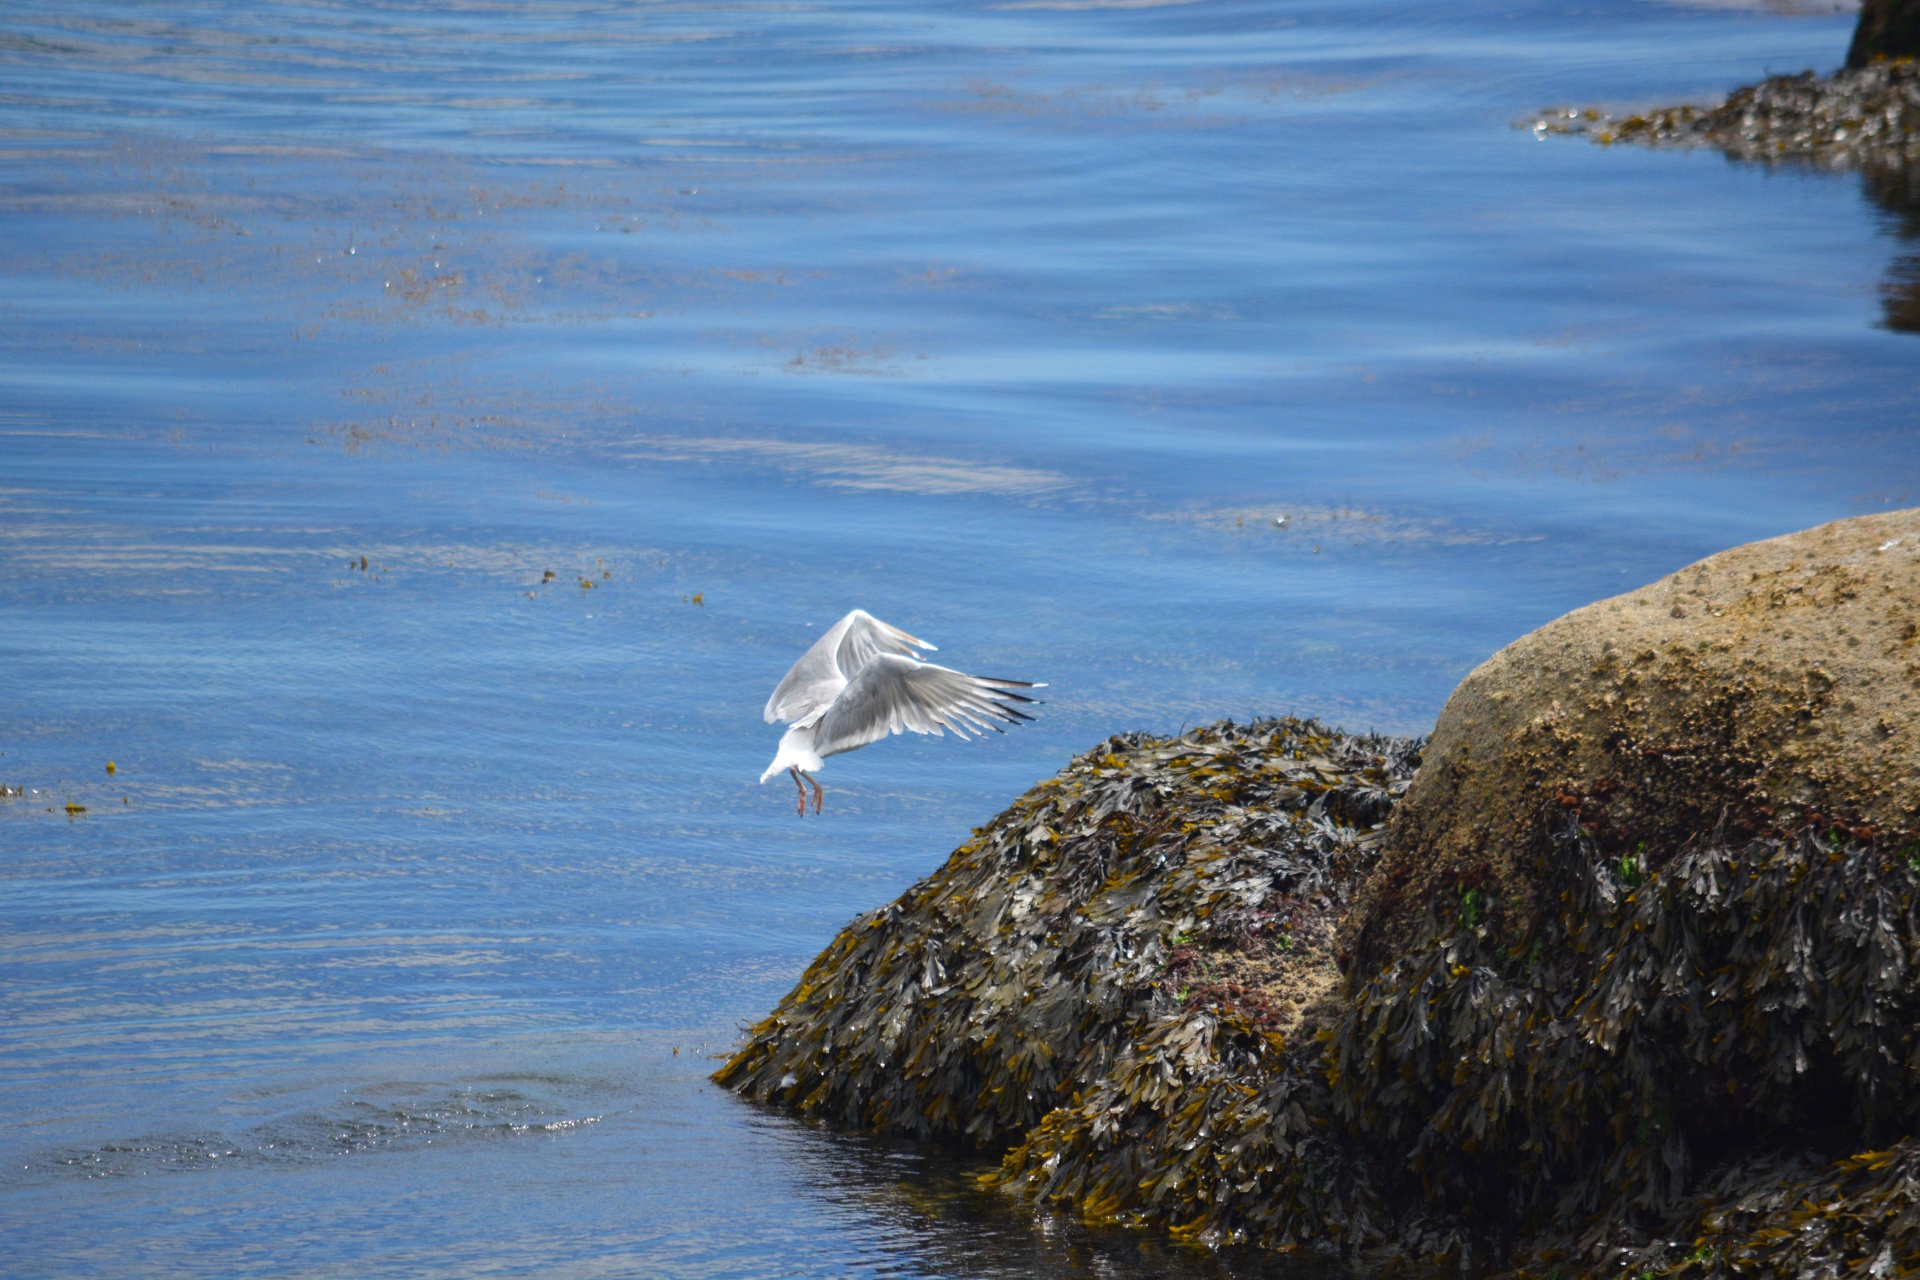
[(1299, 525)]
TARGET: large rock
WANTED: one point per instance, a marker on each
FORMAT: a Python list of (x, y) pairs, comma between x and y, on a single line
[(1887, 29), (1765, 687), (1637, 980), (1153, 883)]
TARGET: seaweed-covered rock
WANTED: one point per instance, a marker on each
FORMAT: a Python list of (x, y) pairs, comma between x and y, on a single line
[(1770, 685), (1639, 991), (1220, 1133), (1887, 29), (1858, 118), (1151, 876), (1730, 1013), (1688, 1071)]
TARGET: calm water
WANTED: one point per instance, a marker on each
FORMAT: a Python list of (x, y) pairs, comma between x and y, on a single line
[(1015, 323)]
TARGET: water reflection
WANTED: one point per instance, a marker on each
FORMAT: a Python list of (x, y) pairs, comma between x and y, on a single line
[(1897, 191), (938, 1221)]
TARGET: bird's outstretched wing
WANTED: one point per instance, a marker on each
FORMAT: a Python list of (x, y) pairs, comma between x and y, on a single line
[(893, 693), (835, 658)]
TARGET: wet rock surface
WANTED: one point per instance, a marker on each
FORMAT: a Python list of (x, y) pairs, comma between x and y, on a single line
[(1887, 29), (1151, 879), (1764, 687), (1633, 980), (1707, 1069)]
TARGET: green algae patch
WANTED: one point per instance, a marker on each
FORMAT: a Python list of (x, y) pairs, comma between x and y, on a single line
[(1154, 877)]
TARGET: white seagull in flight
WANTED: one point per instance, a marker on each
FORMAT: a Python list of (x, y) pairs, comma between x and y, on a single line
[(862, 681)]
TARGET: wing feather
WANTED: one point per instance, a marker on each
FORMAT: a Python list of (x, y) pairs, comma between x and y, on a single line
[(812, 683), (893, 693), (867, 638)]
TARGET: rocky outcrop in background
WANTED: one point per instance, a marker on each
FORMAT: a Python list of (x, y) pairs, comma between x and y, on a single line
[(1887, 29), (1858, 118), (1865, 117)]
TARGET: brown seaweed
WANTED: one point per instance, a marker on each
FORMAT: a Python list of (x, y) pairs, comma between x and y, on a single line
[(1703, 1059), (1150, 874), (1682, 1014), (1857, 118), (1688, 1070)]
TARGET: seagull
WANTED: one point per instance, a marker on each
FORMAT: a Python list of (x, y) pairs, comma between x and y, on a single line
[(864, 680)]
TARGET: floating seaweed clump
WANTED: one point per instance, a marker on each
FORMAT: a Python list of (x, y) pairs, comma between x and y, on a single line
[(1151, 876)]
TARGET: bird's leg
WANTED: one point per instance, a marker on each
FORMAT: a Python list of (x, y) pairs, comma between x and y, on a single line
[(794, 769), (818, 794)]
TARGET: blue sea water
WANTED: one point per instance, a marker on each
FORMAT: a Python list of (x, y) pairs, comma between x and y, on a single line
[(424, 885)]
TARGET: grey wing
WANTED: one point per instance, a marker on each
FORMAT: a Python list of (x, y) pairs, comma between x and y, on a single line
[(867, 638), (836, 657), (894, 693)]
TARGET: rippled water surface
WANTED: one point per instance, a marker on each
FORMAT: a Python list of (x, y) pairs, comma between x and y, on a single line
[(424, 882)]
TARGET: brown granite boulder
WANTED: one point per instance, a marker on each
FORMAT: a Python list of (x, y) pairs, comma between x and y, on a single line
[(1767, 687)]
